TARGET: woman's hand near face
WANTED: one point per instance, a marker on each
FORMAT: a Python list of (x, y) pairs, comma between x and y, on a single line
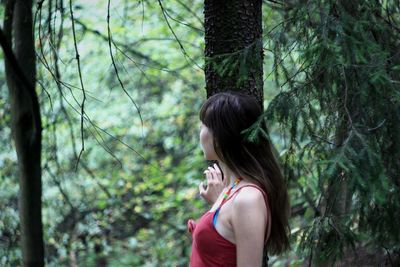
[(214, 184)]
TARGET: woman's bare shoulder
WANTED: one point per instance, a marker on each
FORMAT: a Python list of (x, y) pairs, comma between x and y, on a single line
[(249, 197)]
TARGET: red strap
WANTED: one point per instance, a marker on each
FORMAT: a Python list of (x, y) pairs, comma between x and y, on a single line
[(265, 199), (251, 185)]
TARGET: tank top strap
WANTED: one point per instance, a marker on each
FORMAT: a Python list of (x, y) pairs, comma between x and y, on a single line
[(249, 185), (268, 230)]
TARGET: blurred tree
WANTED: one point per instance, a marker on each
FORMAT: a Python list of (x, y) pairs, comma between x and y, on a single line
[(20, 67)]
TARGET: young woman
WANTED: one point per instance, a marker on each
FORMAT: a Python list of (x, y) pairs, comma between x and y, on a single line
[(250, 211)]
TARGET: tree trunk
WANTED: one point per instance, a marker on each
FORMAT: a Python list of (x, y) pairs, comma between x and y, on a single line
[(233, 46), (26, 125), (233, 49)]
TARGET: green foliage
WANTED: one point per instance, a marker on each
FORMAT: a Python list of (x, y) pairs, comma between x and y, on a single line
[(128, 199), (336, 63), (256, 131), (332, 91)]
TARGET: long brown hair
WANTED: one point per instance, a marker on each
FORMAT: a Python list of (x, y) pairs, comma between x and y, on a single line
[(227, 115)]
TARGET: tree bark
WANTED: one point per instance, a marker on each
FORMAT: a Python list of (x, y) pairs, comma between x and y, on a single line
[(20, 68), (233, 29), (233, 49)]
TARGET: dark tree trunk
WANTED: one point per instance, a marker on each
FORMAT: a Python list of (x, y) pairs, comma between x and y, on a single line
[(20, 67), (233, 26), (233, 49)]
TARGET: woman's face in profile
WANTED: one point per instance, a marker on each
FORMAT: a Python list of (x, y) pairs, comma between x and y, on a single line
[(207, 143)]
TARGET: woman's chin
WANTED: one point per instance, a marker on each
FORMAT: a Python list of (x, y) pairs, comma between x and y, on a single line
[(208, 157)]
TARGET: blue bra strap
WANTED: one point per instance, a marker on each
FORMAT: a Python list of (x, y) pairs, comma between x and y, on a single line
[(216, 216), (224, 200)]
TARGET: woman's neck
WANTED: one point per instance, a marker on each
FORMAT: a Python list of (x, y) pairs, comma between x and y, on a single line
[(229, 175)]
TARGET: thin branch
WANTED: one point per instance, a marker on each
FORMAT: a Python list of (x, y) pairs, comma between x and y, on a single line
[(325, 140), (345, 97), (74, 151), (307, 196), (128, 48), (194, 14), (274, 2), (112, 136), (57, 79), (181, 22), (46, 92), (276, 65), (149, 39), (174, 72), (115, 67), (120, 141), (44, 60), (104, 145), (60, 188), (377, 127), (39, 11), (300, 69), (157, 65), (92, 175), (186, 55), (81, 81), (133, 61)]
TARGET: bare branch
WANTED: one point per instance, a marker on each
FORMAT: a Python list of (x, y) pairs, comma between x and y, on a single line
[(194, 14), (180, 21), (186, 55), (129, 49), (80, 79), (113, 63), (59, 186)]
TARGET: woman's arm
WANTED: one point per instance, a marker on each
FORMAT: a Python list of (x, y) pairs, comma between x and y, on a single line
[(249, 221)]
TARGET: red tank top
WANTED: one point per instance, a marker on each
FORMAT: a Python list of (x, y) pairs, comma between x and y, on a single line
[(209, 248)]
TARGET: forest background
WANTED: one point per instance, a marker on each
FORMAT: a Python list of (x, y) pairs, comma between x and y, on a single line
[(331, 89)]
